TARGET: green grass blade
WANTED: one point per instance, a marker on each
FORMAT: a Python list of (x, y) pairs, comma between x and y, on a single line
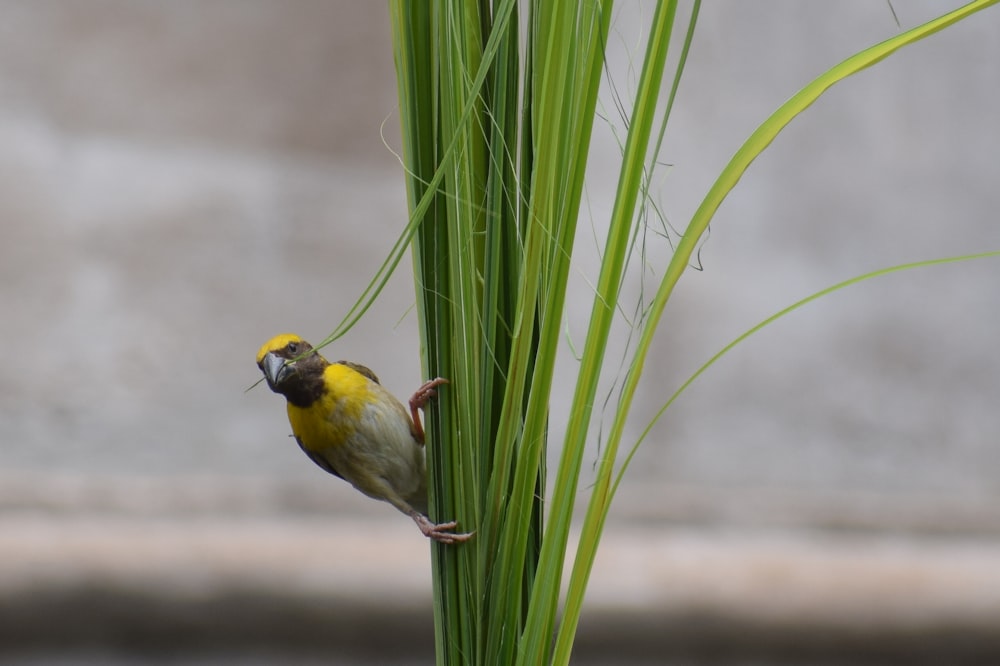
[(562, 123), (496, 132), (616, 251), (770, 320), (758, 141)]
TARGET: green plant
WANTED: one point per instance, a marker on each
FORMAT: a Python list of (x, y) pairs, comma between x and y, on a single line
[(497, 106)]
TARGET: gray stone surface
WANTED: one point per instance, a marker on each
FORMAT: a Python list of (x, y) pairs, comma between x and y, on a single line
[(315, 586)]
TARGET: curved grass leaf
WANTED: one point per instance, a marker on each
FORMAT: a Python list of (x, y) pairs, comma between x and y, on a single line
[(601, 497)]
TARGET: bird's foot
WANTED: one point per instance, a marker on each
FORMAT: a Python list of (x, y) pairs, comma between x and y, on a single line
[(419, 400), (441, 532), (425, 393)]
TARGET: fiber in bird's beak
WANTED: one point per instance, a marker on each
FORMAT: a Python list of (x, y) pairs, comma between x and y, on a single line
[(275, 369)]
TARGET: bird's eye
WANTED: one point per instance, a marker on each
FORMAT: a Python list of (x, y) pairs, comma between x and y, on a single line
[(293, 347)]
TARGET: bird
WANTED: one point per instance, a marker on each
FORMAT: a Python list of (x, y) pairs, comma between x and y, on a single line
[(352, 427)]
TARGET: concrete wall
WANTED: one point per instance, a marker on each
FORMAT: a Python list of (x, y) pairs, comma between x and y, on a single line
[(179, 181)]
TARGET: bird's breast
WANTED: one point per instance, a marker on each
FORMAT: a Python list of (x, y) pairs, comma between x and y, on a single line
[(336, 415)]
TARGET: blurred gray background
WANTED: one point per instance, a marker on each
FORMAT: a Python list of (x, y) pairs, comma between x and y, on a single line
[(180, 181)]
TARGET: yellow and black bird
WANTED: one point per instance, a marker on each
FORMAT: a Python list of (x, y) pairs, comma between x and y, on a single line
[(349, 425)]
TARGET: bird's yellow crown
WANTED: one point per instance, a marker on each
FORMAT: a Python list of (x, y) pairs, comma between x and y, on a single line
[(276, 343)]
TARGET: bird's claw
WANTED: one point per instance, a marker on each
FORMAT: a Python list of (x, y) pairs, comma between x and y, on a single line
[(425, 393), (441, 532), (418, 401)]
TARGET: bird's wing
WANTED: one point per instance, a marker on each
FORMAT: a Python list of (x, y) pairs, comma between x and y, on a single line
[(319, 459), (357, 367)]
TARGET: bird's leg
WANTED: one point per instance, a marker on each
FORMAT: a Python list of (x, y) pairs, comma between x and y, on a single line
[(417, 401), (440, 532)]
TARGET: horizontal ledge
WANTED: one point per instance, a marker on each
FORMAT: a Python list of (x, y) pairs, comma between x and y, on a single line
[(318, 584)]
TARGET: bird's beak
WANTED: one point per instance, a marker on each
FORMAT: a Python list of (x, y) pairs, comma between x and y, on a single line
[(276, 370)]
